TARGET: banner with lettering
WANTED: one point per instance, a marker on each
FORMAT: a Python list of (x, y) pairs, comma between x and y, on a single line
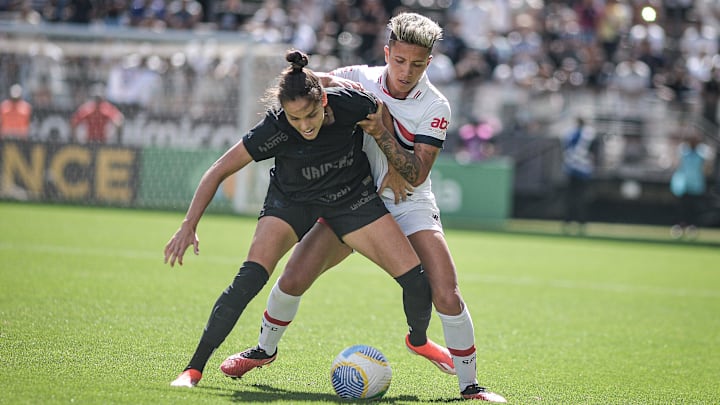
[(68, 172)]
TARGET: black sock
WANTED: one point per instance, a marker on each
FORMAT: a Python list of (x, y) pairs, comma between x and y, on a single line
[(229, 306), (417, 303), (201, 356)]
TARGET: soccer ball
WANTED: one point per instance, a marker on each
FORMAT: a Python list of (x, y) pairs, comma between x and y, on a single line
[(360, 372)]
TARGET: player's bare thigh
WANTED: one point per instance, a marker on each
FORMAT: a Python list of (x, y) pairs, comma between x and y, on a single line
[(434, 253), (319, 250), (384, 244), (273, 238)]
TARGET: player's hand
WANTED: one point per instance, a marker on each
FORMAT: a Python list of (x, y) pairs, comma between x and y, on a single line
[(397, 183), (373, 122), (178, 244)]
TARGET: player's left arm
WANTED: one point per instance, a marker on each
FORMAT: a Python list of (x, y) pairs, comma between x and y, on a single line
[(413, 166)]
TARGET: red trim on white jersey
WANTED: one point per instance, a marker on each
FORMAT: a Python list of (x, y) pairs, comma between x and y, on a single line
[(413, 118), (383, 86), (409, 136)]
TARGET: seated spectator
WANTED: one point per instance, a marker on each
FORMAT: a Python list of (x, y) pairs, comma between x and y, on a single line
[(230, 15), (147, 13), (632, 79), (269, 22), (27, 14), (82, 11), (184, 14)]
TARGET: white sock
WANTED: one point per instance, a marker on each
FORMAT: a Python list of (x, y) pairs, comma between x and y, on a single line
[(460, 340), (281, 310)]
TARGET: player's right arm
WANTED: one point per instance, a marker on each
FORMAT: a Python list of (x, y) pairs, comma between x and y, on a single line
[(412, 166), (233, 160), (342, 77)]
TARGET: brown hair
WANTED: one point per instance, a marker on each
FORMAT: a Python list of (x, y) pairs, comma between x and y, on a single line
[(296, 81)]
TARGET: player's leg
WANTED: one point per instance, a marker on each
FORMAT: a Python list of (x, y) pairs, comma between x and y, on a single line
[(417, 217), (273, 238), (457, 324), (383, 242), (319, 250), (434, 253)]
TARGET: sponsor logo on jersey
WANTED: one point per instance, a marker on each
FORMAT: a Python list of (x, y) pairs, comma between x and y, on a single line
[(316, 172), (363, 200), (440, 123), (273, 142), (336, 196)]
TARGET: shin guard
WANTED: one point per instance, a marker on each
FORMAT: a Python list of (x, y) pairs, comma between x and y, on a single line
[(417, 303)]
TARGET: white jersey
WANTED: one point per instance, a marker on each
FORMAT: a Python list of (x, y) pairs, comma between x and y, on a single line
[(422, 117)]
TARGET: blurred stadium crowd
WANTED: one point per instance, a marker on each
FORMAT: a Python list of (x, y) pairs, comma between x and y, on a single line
[(617, 58), (517, 72), (542, 45)]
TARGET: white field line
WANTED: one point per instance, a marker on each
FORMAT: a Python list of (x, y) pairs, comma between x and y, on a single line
[(115, 253), (485, 279)]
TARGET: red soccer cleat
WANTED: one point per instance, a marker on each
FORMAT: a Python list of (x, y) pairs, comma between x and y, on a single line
[(438, 355), (188, 378), (238, 364)]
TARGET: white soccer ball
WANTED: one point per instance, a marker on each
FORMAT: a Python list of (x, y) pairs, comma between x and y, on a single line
[(360, 372)]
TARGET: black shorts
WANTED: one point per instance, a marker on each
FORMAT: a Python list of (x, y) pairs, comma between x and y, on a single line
[(359, 208)]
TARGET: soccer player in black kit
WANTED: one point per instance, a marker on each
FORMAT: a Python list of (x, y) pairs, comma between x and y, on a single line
[(320, 172)]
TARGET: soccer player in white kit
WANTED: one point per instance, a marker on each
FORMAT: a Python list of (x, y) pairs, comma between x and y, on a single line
[(420, 118)]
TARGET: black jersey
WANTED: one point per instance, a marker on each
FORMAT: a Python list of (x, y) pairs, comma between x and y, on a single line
[(322, 170)]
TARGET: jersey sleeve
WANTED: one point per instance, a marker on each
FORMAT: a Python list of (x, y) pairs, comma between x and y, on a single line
[(349, 72), (434, 124), (351, 105), (265, 139), (364, 102)]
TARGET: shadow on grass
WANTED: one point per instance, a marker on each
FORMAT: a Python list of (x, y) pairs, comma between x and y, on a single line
[(267, 393)]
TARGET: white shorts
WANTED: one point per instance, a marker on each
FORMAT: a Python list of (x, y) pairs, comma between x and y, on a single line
[(414, 216)]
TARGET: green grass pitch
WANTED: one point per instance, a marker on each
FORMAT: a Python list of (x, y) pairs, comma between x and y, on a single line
[(90, 315)]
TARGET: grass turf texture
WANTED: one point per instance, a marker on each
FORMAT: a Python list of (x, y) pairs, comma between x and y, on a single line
[(89, 314)]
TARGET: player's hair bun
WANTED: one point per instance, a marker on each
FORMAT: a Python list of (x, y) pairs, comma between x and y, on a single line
[(297, 59)]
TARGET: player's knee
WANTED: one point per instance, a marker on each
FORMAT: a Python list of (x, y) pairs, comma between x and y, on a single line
[(447, 301), (293, 283), (247, 283)]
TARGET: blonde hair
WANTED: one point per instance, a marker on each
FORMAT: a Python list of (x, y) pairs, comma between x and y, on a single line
[(414, 29)]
